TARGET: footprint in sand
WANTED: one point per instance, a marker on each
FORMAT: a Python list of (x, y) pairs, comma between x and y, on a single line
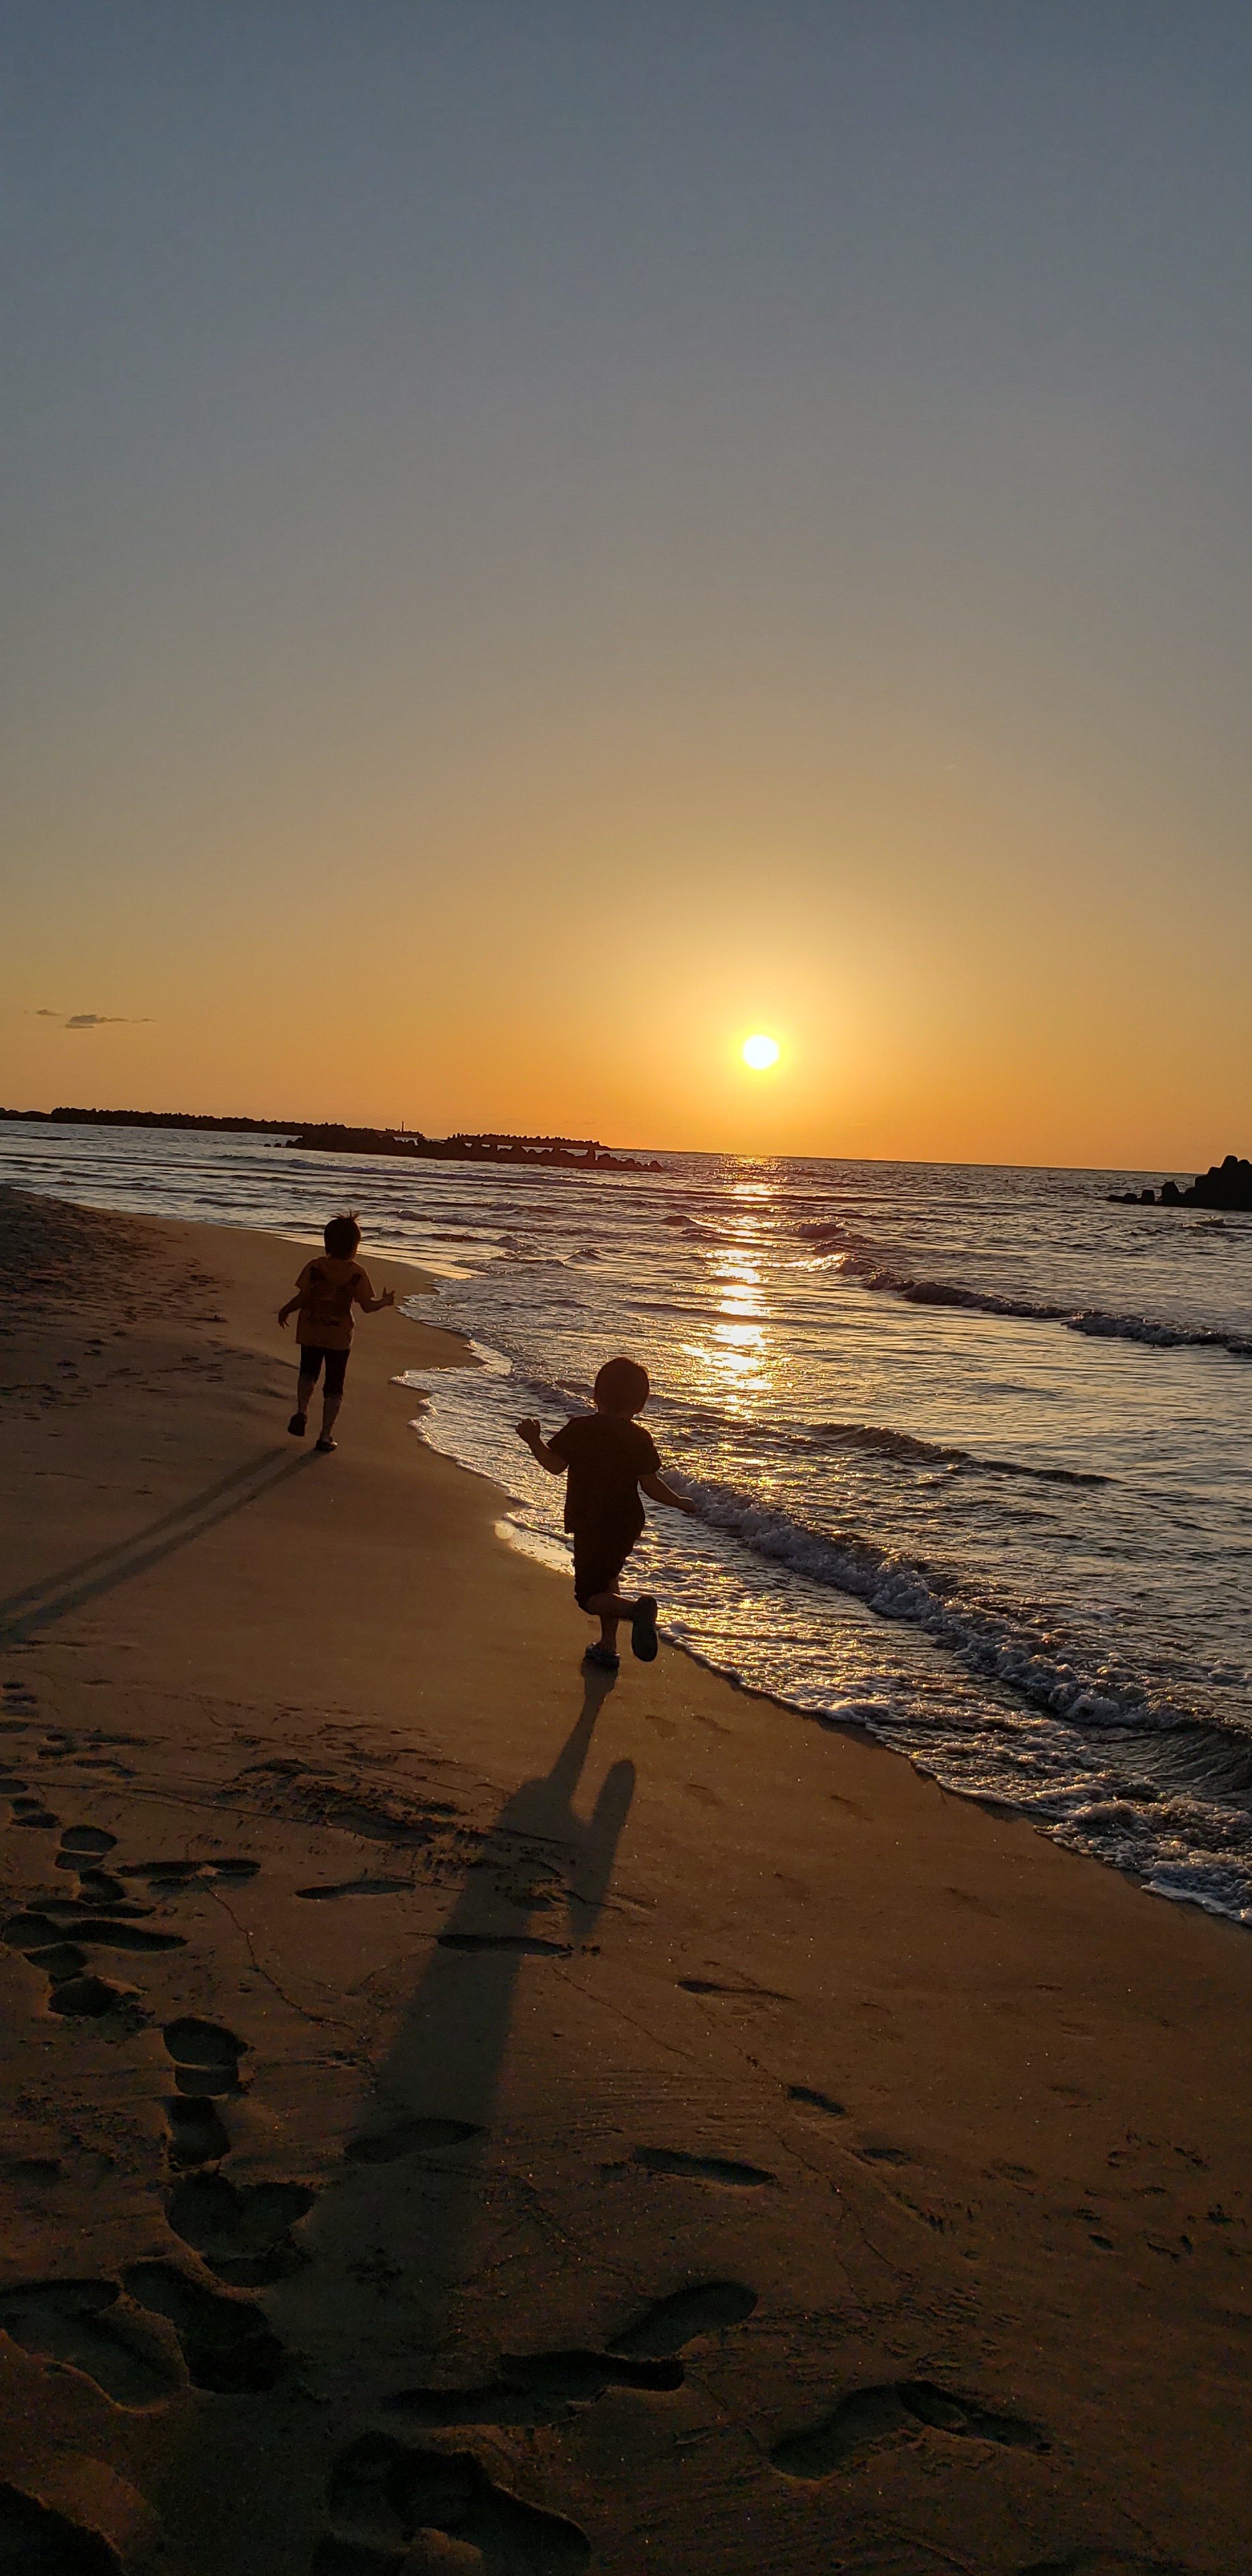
[(534, 2389), (906, 2406), (812, 2100), (242, 2232), (225, 2341), (669, 2325), (33, 1813), (196, 2135), (206, 2067), (749, 1994), (82, 1844), (719, 2169), (360, 1887), (74, 1990), (171, 1877), (97, 1888), (206, 2057), (33, 1932), (88, 2326), (35, 2541), (90, 1998), (409, 2138), (381, 2494), (83, 1851), (165, 1877), (60, 1960)]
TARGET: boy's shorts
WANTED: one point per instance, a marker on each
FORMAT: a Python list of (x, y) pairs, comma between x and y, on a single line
[(336, 1366), (599, 1555)]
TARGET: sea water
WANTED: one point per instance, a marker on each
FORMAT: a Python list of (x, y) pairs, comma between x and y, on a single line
[(971, 1447)]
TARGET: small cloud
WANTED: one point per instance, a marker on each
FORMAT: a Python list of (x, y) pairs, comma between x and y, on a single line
[(93, 1019), (99, 1020)]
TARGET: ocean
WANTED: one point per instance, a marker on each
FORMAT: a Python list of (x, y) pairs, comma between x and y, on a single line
[(972, 1448)]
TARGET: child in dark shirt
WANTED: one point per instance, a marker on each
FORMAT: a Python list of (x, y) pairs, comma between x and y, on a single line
[(607, 1457)]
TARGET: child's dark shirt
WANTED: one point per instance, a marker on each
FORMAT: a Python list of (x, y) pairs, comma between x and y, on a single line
[(606, 1455)]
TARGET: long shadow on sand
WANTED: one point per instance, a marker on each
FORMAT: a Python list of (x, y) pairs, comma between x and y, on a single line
[(534, 1892), (39, 1604), (394, 2244), (414, 2183)]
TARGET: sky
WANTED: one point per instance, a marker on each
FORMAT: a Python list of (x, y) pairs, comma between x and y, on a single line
[(541, 537)]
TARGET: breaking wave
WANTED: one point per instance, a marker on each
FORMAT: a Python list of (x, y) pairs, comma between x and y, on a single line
[(855, 1262), (991, 1642)]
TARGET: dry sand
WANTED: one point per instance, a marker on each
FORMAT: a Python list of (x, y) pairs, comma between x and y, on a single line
[(459, 2117)]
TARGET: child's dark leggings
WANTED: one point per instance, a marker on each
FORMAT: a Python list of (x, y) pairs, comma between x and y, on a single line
[(336, 1366)]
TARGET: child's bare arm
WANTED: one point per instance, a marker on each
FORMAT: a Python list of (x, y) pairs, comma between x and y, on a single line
[(288, 1309), (532, 1433), (375, 1305), (659, 1492)]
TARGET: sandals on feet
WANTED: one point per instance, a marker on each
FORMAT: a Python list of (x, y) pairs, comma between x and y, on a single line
[(643, 1629), (604, 1657), (324, 1444), (297, 1425)]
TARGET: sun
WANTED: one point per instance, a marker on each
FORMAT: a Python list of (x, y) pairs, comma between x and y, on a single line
[(760, 1052)]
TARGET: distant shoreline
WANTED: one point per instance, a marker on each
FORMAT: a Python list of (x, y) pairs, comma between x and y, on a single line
[(579, 1154)]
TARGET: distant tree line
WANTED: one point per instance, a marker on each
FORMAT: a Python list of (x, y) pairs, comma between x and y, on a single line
[(581, 1153), (156, 1118)]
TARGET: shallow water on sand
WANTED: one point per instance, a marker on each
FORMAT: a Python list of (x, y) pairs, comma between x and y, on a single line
[(971, 1446)]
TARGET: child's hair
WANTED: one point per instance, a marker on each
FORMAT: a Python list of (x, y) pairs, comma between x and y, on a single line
[(341, 1237), (622, 1385)]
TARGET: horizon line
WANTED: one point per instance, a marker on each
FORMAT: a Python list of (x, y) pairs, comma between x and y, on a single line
[(226, 1119)]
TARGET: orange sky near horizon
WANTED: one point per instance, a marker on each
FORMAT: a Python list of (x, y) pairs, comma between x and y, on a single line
[(541, 548), (916, 1021)]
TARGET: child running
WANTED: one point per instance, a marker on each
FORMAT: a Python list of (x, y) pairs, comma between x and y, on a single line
[(326, 1292), (609, 1457)]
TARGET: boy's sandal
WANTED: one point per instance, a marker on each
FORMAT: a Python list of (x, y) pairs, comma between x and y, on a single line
[(643, 1629), (297, 1426), (325, 1445), (604, 1657)]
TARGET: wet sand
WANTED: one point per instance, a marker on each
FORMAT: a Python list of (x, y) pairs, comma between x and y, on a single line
[(456, 2116)]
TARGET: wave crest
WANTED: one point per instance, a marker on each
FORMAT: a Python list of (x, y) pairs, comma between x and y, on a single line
[(990, 1642), (1092, 1320)]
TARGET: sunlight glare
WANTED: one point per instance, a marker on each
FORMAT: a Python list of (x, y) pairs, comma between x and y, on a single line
[(760, 1052)]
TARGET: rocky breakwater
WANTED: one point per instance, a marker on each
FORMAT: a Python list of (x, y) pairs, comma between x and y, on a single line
[(1226, 1184), (569, 1155)]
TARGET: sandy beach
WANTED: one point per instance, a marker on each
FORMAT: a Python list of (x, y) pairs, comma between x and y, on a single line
[(457, 2115)]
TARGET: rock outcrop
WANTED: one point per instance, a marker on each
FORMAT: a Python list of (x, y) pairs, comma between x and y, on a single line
[(1225, 1185), (568, 1156)]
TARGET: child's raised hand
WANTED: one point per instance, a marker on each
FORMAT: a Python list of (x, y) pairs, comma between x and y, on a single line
[(530, 1430), (388, 1297)]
